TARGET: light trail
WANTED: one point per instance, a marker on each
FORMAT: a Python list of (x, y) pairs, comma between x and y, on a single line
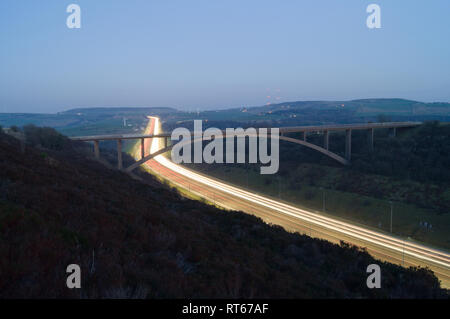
[(390, 243)]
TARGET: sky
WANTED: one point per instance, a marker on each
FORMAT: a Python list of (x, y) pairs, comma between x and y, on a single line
[(210, 54)]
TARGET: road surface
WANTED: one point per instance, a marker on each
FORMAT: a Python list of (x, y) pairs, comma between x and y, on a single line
[(380, 245)]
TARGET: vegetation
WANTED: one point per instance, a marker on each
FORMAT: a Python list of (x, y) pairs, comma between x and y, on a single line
[(45, 137), (133, 240), (422, 155)]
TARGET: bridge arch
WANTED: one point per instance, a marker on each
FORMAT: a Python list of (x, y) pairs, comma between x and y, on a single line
[(320, 149)]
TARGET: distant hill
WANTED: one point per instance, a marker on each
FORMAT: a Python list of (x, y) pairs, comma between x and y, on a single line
[(132, 240), (120, 110), (79, 115), (319, 112), (88, 121), (400, 107), (364, 106), (83, 121)]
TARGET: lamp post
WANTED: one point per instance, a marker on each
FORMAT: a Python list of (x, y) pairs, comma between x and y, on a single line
[(392, 209), (247, 174), (323, 199), (279, 187)]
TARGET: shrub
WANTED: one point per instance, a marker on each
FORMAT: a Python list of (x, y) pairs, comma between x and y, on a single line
[(46, 137)]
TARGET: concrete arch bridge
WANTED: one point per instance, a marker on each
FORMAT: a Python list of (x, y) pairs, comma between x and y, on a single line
[(305, 130)]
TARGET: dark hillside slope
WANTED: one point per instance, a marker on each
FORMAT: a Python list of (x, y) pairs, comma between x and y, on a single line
[(133, 240)]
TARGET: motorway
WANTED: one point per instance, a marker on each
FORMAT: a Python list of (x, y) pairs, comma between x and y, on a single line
[(380, 245)]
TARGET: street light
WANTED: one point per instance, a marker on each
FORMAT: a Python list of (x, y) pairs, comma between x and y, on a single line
[(392, 208), (279, 187), (323, 199), (248, 169)]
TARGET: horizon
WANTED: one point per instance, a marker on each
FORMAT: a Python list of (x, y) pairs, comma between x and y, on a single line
[(194, 110)]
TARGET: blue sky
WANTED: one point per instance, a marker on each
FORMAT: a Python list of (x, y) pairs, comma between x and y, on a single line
[(217, 54)]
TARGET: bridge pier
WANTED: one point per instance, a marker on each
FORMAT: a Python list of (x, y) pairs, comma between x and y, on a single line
[(96, 150), (348, 144), (371, 133), (304, 136), (326, 139), (119, 154), (142, 147)]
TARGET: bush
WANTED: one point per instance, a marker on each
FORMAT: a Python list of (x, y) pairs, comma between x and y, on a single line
[(45, 137)]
